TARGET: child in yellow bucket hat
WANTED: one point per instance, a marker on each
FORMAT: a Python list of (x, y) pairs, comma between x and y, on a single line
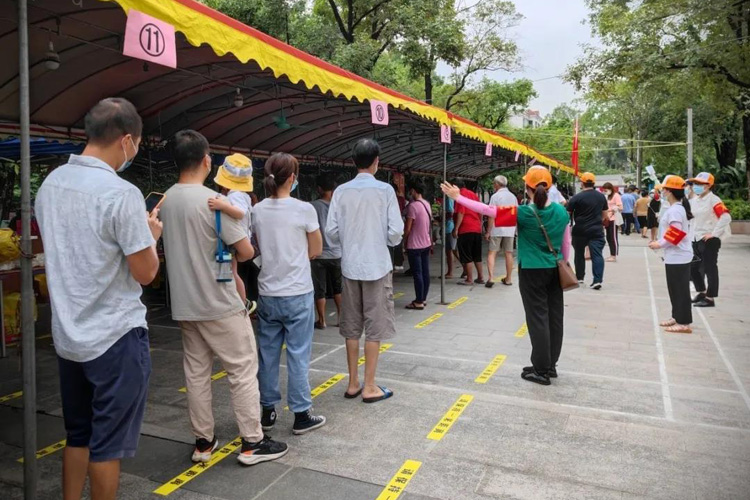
[(235, 177)]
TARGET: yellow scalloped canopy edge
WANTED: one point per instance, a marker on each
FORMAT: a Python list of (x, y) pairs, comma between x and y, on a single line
[(200, 28)]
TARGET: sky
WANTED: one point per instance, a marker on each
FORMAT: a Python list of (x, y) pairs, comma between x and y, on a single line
[(549, 38)]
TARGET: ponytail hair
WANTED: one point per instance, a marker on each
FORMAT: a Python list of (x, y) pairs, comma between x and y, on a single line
[(540, 196), (279, 167), (680, 195)]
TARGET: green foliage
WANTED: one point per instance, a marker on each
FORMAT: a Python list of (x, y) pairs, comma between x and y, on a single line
[(740, 209), (491, 103)]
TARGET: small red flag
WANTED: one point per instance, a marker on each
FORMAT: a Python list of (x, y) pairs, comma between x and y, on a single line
[(574, 156)]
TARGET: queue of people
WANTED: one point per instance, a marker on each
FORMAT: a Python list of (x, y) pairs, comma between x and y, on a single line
[(99, 322)]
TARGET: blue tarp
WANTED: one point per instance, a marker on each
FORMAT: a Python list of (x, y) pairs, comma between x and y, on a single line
[(11, 148)]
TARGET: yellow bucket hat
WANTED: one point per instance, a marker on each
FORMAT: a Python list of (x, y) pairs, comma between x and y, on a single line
[(236, 173)]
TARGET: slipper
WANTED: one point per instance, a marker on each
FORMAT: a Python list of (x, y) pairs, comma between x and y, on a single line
[(678, 329), (387, 393), (319, 326), (464, 283), (355, 395), (505, 282), (489, 284), (669, 322), (413, 306)]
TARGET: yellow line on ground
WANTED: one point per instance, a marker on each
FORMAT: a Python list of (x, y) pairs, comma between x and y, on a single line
[(326, 385), (383, 348), (491, 369), (11, 396), (48, 450), (197, 469), (398, 482), (42, 337), (216, 376), (398, 295), (450, 417), (522, 331), (429, 320), (457, 303)]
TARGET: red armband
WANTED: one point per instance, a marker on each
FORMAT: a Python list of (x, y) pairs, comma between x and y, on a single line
[(674, 235), (506, 216), (720, 209)]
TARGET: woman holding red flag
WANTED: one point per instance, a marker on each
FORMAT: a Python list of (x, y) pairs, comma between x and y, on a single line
[(678, 253)]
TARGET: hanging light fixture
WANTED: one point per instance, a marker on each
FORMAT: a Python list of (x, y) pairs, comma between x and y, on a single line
[(238, 101), (51, 58)]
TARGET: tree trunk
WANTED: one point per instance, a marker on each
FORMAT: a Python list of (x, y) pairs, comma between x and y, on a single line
[(428, 87), (746, 142), (726, 151)]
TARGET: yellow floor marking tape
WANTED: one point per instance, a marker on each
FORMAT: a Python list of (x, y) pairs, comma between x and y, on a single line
[(216, 376), (429, 320), (11, 396), (398, 295), (383, 348), (522, 331), (49, 450), (499, 279), (398, 483), (457, 303), (325, 386), (197, 469), (450, 417), (491, 369)]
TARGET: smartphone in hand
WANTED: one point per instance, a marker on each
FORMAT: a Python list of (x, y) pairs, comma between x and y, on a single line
[(154, 201)]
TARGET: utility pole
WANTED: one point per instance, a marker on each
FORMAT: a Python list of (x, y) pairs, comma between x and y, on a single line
[(690, 143), (638, 163)]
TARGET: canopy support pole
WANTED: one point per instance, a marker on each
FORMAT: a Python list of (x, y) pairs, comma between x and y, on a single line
[(27, 290), (442, 229)]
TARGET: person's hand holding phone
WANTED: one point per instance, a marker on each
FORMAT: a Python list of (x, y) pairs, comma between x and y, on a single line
[(154, 224)]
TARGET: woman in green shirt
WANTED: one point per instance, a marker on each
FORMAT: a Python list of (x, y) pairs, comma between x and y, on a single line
[(539, 280)]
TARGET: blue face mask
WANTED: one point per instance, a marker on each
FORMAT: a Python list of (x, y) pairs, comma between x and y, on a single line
[(698, 189), (294, 185), (127, 162)]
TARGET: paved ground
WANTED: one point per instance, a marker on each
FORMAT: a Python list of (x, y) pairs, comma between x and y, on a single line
[(635, 413)]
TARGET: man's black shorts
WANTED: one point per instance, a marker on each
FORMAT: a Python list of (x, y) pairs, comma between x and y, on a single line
[(470, 247), (321, 269)]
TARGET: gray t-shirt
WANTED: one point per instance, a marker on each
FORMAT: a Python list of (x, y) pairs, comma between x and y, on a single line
[(190, 248), (91, 220), (331, 250), (281, 226)]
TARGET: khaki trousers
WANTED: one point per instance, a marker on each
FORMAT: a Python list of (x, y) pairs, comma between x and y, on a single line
[(231, 339)]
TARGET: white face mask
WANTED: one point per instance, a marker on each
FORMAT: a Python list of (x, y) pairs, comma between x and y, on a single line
[(607, 192), (127, 163)]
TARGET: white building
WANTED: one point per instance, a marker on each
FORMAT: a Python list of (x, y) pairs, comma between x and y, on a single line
[(527, 119)]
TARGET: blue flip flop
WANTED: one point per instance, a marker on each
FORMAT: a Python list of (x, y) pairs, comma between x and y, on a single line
[(387, 393)]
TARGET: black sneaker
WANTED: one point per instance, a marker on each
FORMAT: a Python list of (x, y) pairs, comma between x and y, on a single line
[(699, 297), (552, 373), (203, 449), (535, 377), (706, 302), (268, 419), (264, 450), (305, 422), (596, 286)]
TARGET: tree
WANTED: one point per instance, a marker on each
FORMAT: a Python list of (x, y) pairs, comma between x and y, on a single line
[(709, 41), (491, 103)]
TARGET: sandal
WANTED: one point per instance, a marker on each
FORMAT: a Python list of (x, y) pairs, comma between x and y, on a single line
[(679, 329), (669, 322), (319, 326), (505, 281), (413, 305)]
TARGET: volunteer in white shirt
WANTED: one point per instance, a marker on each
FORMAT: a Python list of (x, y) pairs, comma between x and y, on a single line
[(501, 238), (711, 224), (674, 238), (555, 196)]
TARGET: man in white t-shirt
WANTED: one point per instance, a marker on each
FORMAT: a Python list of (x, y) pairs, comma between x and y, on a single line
[(500, 238), (554, 194)]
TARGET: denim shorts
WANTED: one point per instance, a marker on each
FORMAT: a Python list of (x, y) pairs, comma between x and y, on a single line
[(104, 399)]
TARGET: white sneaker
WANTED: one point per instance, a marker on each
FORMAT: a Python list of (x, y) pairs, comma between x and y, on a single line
[(204, 449), (398, 268)]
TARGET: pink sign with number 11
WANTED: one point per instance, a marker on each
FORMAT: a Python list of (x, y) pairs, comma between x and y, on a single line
[(150, 39)]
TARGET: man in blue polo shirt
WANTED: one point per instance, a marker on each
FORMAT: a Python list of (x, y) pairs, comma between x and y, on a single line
[(100, 247)]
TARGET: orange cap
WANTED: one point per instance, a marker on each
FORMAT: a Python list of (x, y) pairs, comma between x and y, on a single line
[(673, 182), (588, 177), (538, 175), (703, 178)]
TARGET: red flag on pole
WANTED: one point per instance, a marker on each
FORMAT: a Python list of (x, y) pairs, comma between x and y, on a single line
[(574, 155)]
